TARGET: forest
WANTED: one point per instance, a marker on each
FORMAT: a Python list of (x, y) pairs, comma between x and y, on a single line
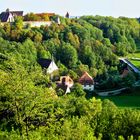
[(31, 108)]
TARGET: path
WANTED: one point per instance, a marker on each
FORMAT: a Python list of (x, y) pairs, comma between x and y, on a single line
[(111, 93), (135, 69)]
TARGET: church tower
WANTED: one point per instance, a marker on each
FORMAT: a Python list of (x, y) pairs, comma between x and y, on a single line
[(67, 15)]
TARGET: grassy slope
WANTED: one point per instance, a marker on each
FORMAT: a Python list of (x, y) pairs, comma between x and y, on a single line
[(136, 63), (136, 55)]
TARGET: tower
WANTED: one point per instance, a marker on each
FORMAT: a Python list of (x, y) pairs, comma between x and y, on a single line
[(67, 15)]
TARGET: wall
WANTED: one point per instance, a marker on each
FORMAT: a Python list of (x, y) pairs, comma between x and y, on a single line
[(37, 23), (88, 87), (32, 23)]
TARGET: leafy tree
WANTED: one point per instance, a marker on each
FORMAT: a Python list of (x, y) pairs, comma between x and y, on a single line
[(18, 23), (68, 55)]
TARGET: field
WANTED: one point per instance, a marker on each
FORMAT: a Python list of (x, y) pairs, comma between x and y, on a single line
[(127, 100), (136, 63), (134, 55)]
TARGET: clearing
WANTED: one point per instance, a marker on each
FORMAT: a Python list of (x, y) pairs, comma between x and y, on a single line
[(131, 100)]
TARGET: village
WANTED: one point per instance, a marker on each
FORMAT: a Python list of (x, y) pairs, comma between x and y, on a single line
[(66, 83), (69, 70), (49, 67), (32, 20)]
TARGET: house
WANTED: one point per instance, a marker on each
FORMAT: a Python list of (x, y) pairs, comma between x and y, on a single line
[(65, 80), (87, 82), (125, 73), (65, 84), (9, 16), (48, 64), (40, 19)]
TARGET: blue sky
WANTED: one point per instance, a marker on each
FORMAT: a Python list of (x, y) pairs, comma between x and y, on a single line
[(128, 8)]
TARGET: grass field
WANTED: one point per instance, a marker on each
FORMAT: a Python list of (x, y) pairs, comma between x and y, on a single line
[(135, 55), (128, 100), (136, 63), (125, 101)]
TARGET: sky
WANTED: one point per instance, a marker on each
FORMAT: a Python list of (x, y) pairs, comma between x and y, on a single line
[(115, 8)]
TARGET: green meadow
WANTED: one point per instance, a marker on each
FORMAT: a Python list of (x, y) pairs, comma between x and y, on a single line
[(131, 100), (136, 63)]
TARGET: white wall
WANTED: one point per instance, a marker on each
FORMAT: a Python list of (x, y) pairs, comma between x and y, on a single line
[(31, 23), (88, 87), (52, 67), (37, 23), (10, 18)]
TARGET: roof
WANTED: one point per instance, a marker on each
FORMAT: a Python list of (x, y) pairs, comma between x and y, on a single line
[(4, 15), (65, 80), (17, 13), (44, 62), (125, 73), (86, 79)]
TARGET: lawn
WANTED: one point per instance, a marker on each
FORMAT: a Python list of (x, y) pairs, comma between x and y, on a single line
[(136, 63), (125, 100), (134, 55)]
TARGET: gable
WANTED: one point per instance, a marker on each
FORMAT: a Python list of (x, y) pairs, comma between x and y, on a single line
[(52, 67), (48, 64), (17, 13), (86, 79)]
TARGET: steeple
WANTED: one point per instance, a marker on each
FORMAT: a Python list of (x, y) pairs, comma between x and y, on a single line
[(7, 10), (67, 15)]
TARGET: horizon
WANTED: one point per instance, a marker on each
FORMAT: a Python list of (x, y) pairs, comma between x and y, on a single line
[(117, 8)]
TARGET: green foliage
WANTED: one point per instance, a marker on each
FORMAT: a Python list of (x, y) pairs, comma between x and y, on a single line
[(68, 55), (29, 105), (78, 90), (31, 17)]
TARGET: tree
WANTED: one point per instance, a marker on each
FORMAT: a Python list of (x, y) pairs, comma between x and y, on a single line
[(31, 17), (18, 24), (38, 37), (78, 90), (129, 80), (68, 55), (87, 56), (21, 97)]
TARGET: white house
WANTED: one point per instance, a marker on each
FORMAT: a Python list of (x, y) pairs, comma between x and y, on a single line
[(65, 84), (48, 64), (87, 82), (9, 16)]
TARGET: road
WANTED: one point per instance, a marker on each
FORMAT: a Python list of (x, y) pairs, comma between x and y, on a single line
[(133, 67)]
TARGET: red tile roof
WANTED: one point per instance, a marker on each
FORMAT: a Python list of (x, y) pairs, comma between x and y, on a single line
[(86, 79), (65, 80)]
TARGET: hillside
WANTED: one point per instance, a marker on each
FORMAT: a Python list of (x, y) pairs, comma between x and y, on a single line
[(31, 106)]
